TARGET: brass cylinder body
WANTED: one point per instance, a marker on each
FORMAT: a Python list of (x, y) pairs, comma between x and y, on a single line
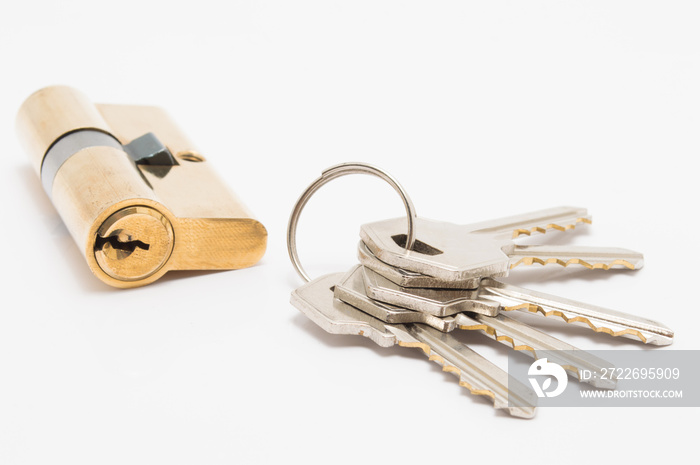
[(94, 184), (136, 196)]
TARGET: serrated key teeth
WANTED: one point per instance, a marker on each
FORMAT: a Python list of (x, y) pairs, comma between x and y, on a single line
[(651, 338), (448, 367), (527, 261), (557, 218), (568, 226), (593, 258), (466, 323)]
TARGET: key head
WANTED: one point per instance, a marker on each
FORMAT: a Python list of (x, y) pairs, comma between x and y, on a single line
[(351, 290), (437, 302), (443, 250), (315, 299), (406, 278)]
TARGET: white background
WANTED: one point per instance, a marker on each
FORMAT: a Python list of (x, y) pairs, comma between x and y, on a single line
[(480, 109)]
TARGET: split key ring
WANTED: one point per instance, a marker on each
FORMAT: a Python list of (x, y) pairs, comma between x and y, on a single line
[(330, 174)]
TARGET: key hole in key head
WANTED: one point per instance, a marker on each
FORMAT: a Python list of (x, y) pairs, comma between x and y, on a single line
[(418, 246)]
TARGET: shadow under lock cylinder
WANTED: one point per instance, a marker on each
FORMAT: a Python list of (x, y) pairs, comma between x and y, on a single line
[(136, 197)]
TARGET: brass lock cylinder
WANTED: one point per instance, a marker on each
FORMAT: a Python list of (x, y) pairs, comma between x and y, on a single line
[(110, 172)]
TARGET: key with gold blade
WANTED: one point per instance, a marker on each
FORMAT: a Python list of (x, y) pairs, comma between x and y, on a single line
[(599, 319), (458, 253), (493, 296)]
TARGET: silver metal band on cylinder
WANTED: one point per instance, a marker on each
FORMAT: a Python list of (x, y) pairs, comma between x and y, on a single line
[(67, 146), (329, 175)]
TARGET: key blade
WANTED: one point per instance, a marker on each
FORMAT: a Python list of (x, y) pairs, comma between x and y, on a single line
[(598, 258), (351, 290), (534, 342), (541, 221), (475, 373), (438, 302), (599, 319)]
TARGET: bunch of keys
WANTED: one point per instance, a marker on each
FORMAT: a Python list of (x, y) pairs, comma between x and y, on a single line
[(418, 280)]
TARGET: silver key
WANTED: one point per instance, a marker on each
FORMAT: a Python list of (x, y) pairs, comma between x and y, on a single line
[(351, 289), (457, 253), (596, 318), (438, 302), (506, 297), (481, 377)]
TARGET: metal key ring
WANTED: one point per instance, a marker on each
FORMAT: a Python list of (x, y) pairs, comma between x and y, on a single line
[(328, 175)]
